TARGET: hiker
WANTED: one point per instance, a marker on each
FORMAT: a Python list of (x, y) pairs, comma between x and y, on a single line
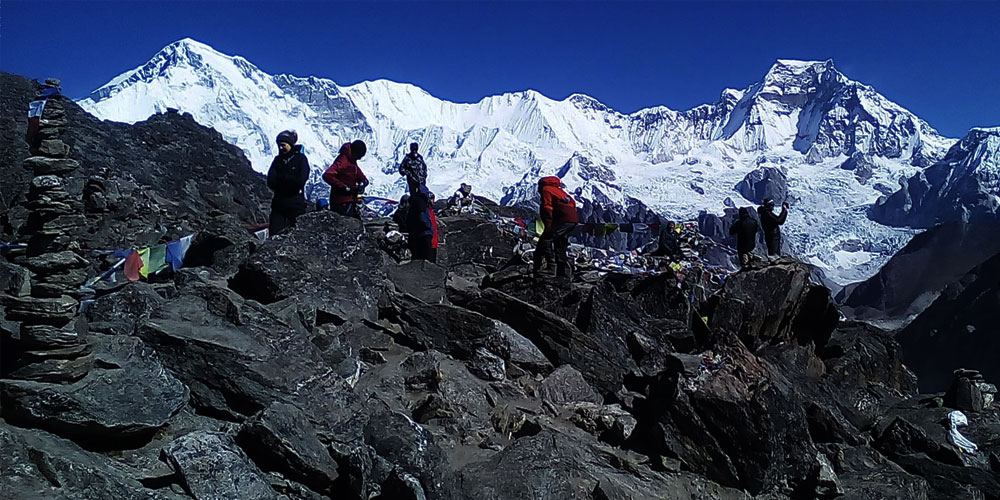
[(414, 169), (770, 222), (287, 178), (461, 199), (669, 245), (401, 213), (346, 179), (422, 226), (745, 229), (558, 212)]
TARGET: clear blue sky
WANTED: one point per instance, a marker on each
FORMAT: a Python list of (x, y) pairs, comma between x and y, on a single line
[(940, 60)]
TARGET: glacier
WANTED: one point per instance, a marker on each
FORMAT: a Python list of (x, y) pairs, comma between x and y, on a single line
[(803, 117)]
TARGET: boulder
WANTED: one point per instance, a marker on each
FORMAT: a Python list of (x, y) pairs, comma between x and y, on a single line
[(774, 304), (566, 385), (341, 274), (764, 182), (36, 464), (144, 398), (42, 165), (282, 439), (421, 279), (122, 312), (412, 449), (222, 244), (14, 280), (212, 467), (238, 357), (52, 311)]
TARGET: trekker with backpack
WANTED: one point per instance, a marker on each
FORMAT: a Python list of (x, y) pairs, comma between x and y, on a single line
[(346, 179), (745, 229), (286, 179), (414, 169), (558, 212), (770, 223), (422, 225)]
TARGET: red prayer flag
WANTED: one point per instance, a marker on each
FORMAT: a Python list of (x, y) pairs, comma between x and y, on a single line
[(132, 265)]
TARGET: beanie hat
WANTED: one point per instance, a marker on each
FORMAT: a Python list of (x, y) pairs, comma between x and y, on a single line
[(288, 137), (414, 146), (768, 201), (358, 148)]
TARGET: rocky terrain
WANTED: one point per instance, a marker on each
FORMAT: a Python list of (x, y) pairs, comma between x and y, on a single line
[(316, 365)]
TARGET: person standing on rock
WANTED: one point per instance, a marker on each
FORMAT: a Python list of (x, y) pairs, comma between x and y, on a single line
[(422, 225), (770, 223), (286, 179), (558, 212), (414, 169), (745, 229), (346, 179)]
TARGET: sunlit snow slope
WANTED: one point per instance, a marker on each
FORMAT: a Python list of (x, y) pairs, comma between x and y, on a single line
[(803, 117)]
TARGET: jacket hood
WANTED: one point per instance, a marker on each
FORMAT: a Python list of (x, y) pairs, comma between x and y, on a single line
[(551, 181), (346, 149)]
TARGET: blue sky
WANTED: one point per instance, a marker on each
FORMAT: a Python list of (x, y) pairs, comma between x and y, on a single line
[(940, 60)]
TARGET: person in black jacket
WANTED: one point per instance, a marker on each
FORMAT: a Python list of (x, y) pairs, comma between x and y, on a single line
[(770, 223), (414, 169), (745, 229), (421, 225), (287, 178)]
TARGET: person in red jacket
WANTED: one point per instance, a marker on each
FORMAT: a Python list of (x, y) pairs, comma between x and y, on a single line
[(558, 212), (346, 179)]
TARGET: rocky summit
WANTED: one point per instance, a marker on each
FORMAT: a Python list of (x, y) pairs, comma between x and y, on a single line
[(319, 364)]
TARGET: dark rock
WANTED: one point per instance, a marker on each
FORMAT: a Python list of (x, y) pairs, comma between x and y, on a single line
[(965, 394), (223, 244), (774, 304), (53, 148), (412, 449), (41, 165), (212, 467), (14, 280), (764, 182), (584, 471), (862, 166), (36, 464), (144, 397), (55, 262), (610, 423), (421, 279), (53, 337), (486, 365), (52, 311), (340, 276), (557, 338), (122, 312), (474, 240), (566, 385), (237, 358), (282, 439)]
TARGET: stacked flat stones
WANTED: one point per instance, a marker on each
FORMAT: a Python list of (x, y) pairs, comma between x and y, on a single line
[(53, 344)]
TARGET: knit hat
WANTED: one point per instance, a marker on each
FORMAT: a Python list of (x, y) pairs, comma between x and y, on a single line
[(288, 137), (358, 148), (414, 147), (768, 202)]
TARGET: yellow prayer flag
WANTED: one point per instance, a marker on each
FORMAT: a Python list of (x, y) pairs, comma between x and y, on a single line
[(144, 255)]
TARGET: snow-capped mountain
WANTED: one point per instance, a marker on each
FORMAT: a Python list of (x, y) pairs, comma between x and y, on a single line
[(840, 144), (963, 185)]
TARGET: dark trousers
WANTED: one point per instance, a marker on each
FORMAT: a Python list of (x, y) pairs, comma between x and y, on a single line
[(280, 220), (554, 240), (348, 209), (773, 243), (421, 248)]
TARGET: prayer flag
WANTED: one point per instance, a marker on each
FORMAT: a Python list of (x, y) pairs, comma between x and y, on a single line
[(144, 256), (157, 259), (175, 255), (133, 266)]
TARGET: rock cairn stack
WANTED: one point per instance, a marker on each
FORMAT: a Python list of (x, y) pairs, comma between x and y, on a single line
[(969, 391), (53, 343)]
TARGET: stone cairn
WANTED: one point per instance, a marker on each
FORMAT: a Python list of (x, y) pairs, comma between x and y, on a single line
[(53, 341)]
